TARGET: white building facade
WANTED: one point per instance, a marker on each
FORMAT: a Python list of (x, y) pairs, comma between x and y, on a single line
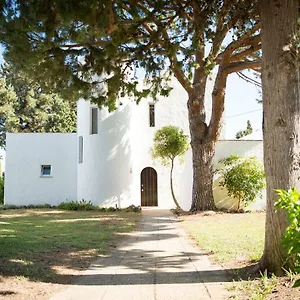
[(108, 160)]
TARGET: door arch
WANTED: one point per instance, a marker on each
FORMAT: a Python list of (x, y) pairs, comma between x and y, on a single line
[(149, 187)]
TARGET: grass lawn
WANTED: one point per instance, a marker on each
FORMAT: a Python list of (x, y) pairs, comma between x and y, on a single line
[(237, 240), (42, 245), (230, 237)]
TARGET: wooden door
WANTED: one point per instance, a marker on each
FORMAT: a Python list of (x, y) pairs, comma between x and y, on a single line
[(149, 187)]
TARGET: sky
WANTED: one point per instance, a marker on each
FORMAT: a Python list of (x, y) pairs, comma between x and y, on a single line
[(240, 105)]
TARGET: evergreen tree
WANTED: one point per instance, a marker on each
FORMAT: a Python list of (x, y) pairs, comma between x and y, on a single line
[(245, 132), (70, 45), (24, 107), (280, 87)]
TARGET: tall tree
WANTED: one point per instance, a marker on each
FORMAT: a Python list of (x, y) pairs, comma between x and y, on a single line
[(281, 86), (24, 107), (71, 44)]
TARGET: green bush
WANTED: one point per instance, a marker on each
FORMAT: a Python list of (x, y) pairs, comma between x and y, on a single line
[(77, 205), (243, 178), (290, 202), (133, 208), (1, 190)]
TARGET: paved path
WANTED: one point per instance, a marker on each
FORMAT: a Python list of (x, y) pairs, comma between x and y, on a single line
[(157, 262)]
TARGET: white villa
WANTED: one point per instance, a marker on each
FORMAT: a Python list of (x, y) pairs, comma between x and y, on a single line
[(108, 161)]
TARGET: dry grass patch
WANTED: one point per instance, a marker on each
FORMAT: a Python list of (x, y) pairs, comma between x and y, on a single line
[(230, 238)]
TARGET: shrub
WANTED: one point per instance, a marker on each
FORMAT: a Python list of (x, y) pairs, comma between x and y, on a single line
[(77, 205), (111, 208), (290, 202), (243, 178), (133, 208)]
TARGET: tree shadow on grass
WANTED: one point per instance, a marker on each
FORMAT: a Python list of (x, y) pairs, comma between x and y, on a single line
[(137, 261)]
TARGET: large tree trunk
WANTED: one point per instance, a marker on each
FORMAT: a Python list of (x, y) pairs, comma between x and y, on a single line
[(203, 148), (280, 81), (203, 152)]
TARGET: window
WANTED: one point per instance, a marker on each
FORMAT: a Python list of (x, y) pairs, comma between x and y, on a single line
[(80, 152), (151, 115), (94, 120), (46, 170)]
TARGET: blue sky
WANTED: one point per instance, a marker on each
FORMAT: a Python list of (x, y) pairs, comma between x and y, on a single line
[(240, 105)]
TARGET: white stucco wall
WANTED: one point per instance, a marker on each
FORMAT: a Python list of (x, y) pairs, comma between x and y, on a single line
[(25, 153), (115, 157), (224, 148), (105, 177)]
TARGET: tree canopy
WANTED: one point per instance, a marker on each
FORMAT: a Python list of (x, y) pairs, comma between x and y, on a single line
[(78, 42), (24, 107), (93, 49)]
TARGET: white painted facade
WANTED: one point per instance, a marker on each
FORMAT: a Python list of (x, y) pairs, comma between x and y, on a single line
[(25, 155), (112, 160)]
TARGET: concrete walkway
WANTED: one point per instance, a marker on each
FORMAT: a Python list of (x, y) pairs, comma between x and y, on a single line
[(157, 262)]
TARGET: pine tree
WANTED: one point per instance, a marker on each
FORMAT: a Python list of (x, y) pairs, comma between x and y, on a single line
[(24, 107), (70, 45), (245, 132), (280, 87)]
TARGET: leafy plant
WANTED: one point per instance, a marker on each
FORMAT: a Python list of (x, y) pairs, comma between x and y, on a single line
[(257, 289), (243, 178), (290, 202), (133, 208), (168, 143), (77, 205)]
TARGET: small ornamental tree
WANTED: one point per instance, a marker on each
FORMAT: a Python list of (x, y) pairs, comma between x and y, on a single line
[(243, 178), (168, 143)]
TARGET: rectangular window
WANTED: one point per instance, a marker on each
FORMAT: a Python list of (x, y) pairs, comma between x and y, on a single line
[(46, 170), (151, 115), (80, 152), (94, 120)]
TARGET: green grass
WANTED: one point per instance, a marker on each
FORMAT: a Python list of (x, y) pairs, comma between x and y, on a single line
[(257, 289), (230, 237), (33, 242)]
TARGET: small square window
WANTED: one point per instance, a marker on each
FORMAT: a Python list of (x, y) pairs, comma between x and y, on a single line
[(46, 170)]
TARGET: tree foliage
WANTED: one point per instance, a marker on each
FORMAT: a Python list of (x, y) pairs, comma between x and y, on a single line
[(24, 107), (169, 142), (243, 178), (290, 202), (245, 132), (78, 41), (91, 49)]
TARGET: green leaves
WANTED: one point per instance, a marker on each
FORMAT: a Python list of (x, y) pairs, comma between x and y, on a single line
[(169, 142), (245, 132), (24, 107), (242, 177), (290, 202), (61, 44)]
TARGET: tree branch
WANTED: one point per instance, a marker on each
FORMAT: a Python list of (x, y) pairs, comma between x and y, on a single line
[(242, 65)]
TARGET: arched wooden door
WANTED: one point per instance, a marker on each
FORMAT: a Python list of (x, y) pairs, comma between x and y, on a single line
[(149, 187)]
